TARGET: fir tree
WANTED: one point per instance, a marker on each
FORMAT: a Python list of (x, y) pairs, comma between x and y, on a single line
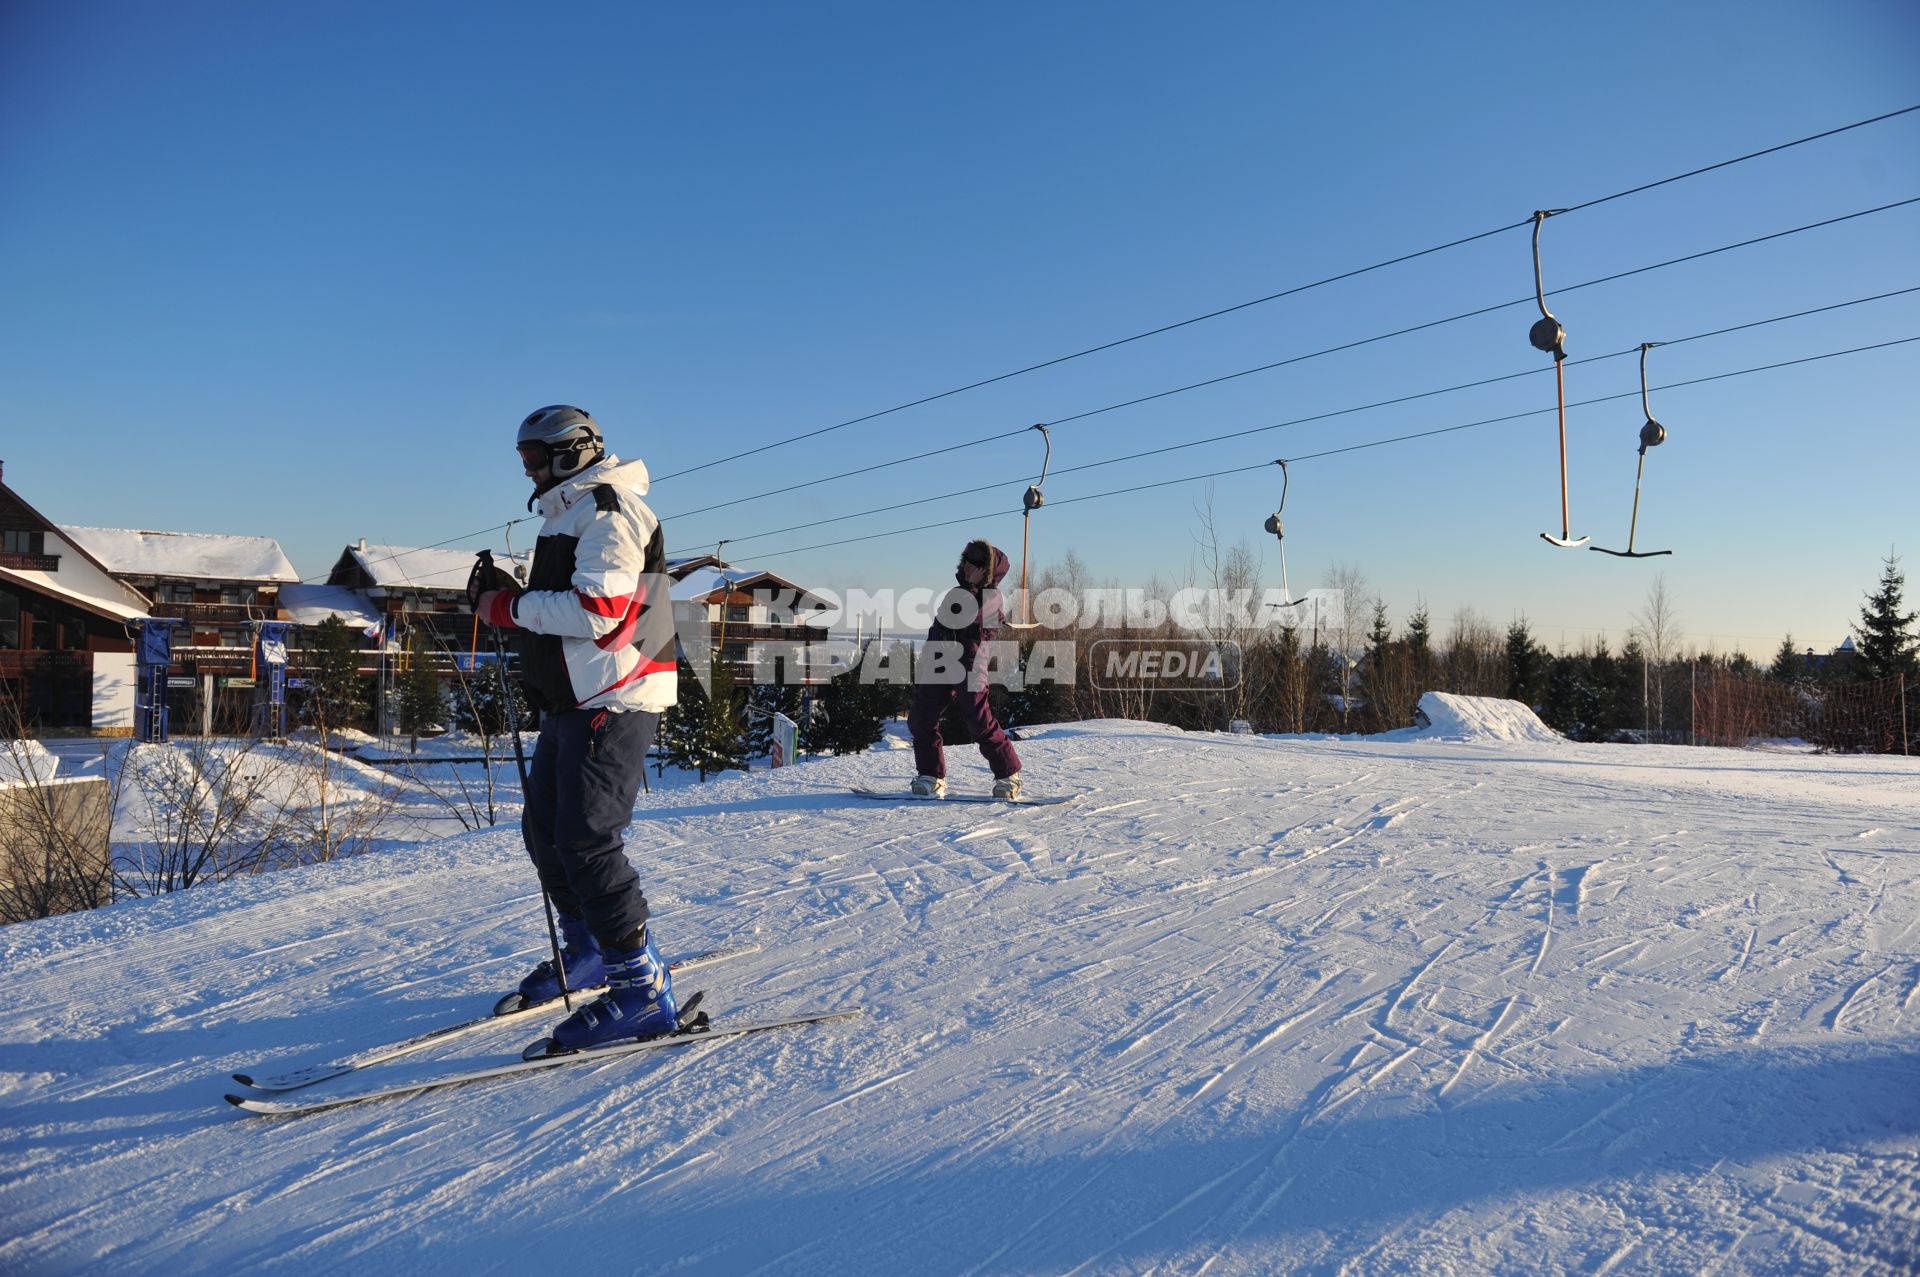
[(336, 690), (1887, 646), (676, 740), (1571, 705), (1526, 663), (1789, 666), (763, 702), (1419, 641), (722, 746), (421, 703), (1040, 697), (1603, 677), (854, 714), (479, 701), (1631, 681)]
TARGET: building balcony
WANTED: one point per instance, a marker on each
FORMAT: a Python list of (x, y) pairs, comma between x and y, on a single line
[(14, 664)]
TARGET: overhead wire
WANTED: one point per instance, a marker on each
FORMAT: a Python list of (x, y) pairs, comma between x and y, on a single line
[(1293, 359), (1301, 288), (1323, 416), (1378, 443), (1287, 292)]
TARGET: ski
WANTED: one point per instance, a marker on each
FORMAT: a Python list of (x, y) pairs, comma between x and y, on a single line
[(901, 795), (294, 1079), (713, 1032)]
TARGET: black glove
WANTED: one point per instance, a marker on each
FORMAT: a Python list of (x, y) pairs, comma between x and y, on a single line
[(487, 575)]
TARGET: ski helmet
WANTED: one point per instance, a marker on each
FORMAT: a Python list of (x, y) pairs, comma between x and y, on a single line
[(563, 438)]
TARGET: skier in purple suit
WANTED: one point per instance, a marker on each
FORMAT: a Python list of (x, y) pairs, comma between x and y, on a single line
[(954, 664)]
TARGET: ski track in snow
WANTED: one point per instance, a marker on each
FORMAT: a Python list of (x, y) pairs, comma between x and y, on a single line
[(1250, 1005)]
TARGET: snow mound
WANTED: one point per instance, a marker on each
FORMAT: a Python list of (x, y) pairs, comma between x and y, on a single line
[(23, 760), (1444, 716)]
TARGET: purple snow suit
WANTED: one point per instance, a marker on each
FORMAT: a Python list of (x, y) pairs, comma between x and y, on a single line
[(975, 613)]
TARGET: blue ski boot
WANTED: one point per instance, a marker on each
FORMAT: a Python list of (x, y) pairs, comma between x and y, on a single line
[(586, 969), (638, 1002)]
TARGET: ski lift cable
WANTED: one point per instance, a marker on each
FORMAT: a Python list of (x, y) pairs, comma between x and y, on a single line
[(1314, 456), (491, 529), (1288, 292), (1323, 416), (1627, 394), (1295, 359)]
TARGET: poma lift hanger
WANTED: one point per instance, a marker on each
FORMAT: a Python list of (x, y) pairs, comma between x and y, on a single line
[(1548, 336), (1278, 526), (1652, 435), (1031, 501)]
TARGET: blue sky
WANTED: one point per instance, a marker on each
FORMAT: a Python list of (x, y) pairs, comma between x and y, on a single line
[(299, 271)]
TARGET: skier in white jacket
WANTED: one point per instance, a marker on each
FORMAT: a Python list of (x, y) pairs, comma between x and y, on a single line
[(598, 658)]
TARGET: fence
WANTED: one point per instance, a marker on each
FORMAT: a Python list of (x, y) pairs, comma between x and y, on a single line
[(1855, 718)]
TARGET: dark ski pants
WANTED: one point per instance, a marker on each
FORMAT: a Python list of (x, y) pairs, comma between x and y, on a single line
[(581, 785), (930, 701)]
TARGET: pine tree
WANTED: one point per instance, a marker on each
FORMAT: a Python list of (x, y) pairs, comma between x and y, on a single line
[(1038, 698), (479, 702), (854, 714), (421, 703), (677, 738), (1789, 666), (1887, 646), (1570, 705), (1526, 663), (763, 702), (1419, 641), (1387, 699), (1631, 683), (336, 690), (722, 745)]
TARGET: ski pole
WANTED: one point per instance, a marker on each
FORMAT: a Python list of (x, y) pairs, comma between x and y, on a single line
[(520, 761)]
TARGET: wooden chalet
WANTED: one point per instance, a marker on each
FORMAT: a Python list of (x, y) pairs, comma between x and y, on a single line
[(66, 661)]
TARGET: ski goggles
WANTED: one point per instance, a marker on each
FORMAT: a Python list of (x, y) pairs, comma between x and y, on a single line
[(538, 454)]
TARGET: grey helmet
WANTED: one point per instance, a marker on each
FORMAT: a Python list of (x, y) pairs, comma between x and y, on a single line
[(563, 438)]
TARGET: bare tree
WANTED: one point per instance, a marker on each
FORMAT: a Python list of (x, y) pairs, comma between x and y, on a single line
[(1657, 628), (53, 833), (205, 810), (1346, 637), (1232, 576), (330, 818), (1474, 663)]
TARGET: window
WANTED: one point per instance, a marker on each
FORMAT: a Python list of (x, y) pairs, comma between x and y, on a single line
[(23, 541), (236, 595), (737, 615), (9, 621)]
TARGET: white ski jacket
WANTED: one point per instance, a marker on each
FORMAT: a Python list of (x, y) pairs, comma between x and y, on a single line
[(598, 608)]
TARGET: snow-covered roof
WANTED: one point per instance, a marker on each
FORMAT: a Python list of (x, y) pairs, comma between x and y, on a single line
[(97, 603), (702, 581), (401, 567), (312, 604), (211, 556)]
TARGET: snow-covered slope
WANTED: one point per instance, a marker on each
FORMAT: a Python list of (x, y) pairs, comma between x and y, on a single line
[(1248, 1006)]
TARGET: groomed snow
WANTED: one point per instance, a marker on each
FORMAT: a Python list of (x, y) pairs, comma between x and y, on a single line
[(1248, 1006)]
